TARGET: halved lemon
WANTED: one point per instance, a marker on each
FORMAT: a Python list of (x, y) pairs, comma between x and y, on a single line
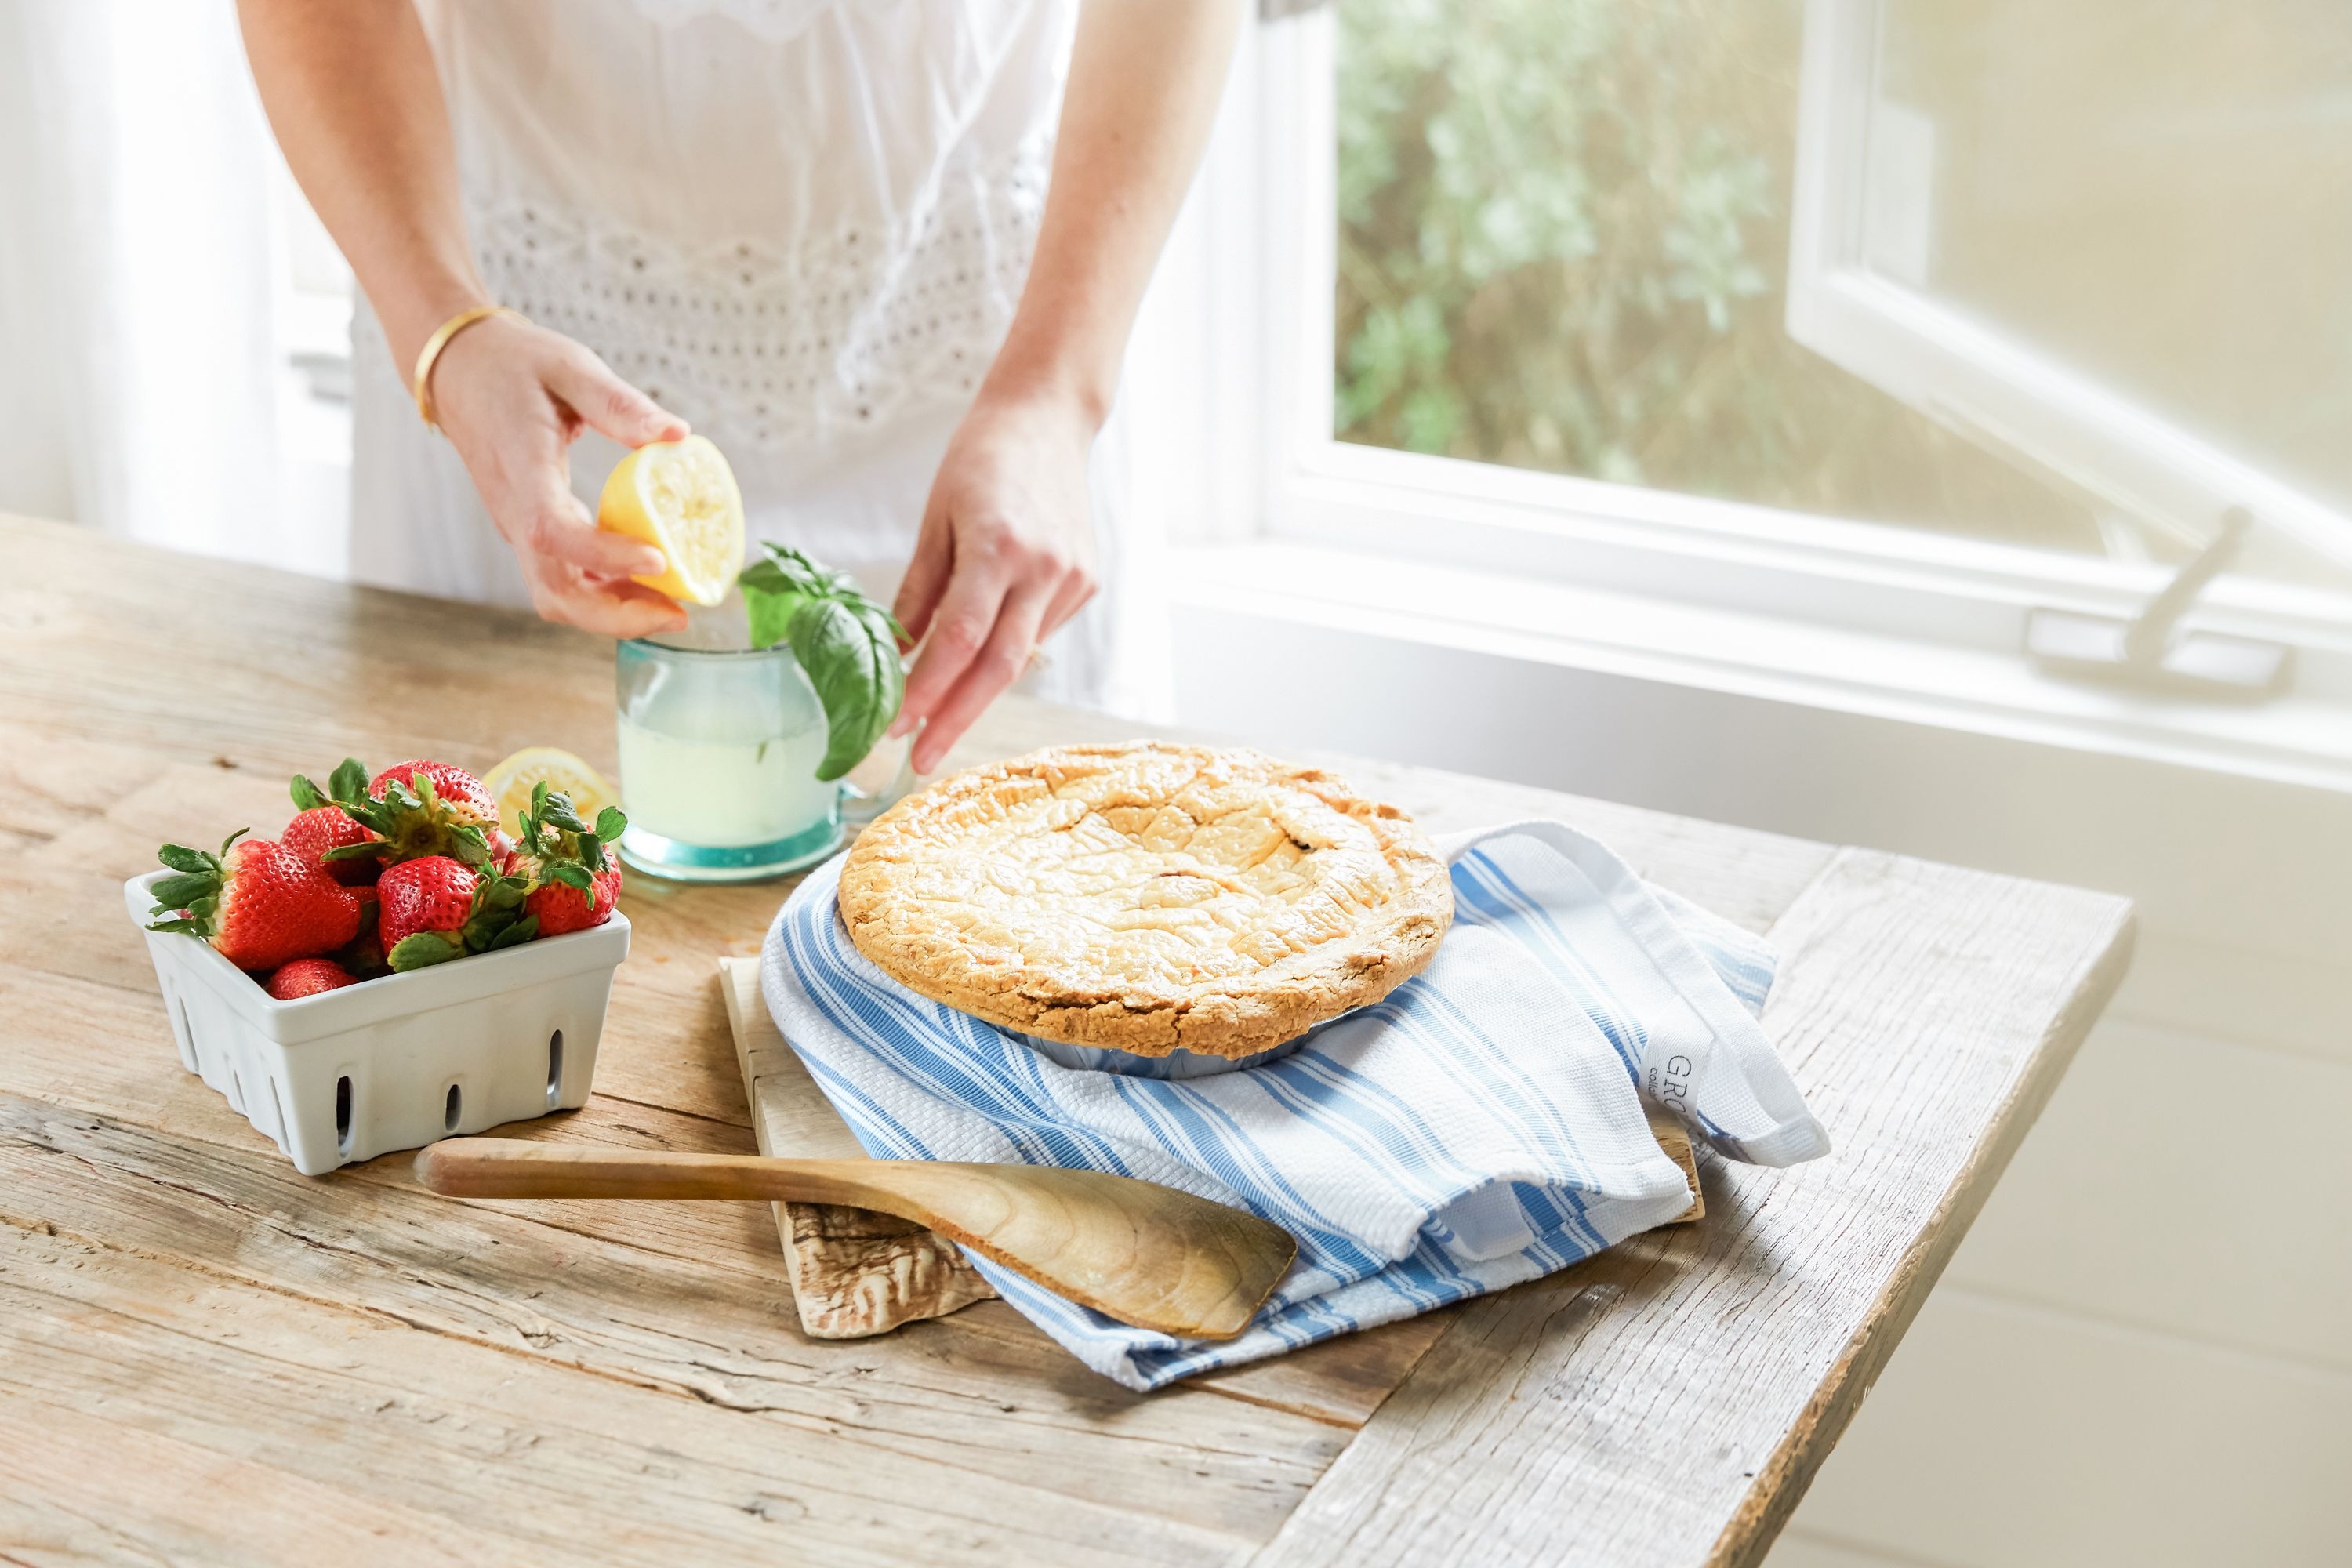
[(680, 498), (510, 784)]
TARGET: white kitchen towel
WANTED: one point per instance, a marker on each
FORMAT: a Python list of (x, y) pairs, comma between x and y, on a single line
[(1480, 1127)]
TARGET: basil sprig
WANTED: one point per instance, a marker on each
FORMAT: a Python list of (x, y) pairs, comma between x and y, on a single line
[(847, 644)]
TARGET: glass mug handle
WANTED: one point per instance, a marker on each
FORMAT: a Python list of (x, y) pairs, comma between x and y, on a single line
[(861, 806)]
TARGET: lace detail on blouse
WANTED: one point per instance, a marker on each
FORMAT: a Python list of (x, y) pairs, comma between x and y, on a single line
[(772, 346)]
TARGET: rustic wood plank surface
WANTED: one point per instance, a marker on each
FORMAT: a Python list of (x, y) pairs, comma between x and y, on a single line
[(855, 1273), (207, 1357)]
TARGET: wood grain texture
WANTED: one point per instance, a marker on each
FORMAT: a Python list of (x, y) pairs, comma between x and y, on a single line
[(1135, 1251), (1669, 1401), (206, 1357), (855, 1273)]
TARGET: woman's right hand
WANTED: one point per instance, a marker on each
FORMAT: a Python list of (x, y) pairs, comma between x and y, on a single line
[(512, 397)]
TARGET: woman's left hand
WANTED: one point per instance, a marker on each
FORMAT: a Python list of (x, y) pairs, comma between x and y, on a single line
[(1005, 556)]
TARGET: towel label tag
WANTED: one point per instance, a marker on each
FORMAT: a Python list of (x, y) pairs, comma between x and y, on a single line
[(1668, 1081)]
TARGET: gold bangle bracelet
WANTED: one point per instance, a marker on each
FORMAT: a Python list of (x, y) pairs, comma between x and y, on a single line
[(421, 384)]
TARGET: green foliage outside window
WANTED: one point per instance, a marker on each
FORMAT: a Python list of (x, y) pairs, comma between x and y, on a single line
[(1563, 236)]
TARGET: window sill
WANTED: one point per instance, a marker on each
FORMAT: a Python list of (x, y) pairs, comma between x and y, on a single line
[(2300, 739)]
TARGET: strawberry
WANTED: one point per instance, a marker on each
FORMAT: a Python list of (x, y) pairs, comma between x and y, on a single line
[(363, 955), (308, 977), (460, 791), (431, 893), (436, 908), (423, 809), (258, 902), (561, 906), (574, 883), (327, 833), (323, 827)]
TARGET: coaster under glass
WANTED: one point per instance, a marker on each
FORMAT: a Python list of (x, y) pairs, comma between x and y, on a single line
[(659, 856)]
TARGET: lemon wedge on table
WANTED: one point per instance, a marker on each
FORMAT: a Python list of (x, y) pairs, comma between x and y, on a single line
[(510, 783), (680, 498)]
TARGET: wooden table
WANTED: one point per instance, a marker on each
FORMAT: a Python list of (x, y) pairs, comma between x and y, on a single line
[(205, 1356)]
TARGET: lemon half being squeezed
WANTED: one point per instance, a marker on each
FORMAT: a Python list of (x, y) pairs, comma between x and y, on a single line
[(680, 498)]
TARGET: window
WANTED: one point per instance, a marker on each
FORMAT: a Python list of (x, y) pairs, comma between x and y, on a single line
[(1562, 227), (2095, 235), (1553, 273), (1494, 330)]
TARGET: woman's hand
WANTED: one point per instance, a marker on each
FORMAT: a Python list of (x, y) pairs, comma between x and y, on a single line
[(1005, 556), (512, 397)]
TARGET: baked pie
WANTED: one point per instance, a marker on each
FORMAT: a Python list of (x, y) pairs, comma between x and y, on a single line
[(1147, 898)]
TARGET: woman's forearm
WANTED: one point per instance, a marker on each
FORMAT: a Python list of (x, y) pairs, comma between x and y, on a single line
[(1145, 76), (351, 91)]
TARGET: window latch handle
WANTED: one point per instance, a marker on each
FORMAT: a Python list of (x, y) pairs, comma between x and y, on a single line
[(2150, 650)]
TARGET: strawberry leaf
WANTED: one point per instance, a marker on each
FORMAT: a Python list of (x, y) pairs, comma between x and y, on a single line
[(559, 813), (349, 782), (306, 795), (180, 858), (572, 876), (515, 935), (472, 845), (178, 892), (422, 949), (611, 824)]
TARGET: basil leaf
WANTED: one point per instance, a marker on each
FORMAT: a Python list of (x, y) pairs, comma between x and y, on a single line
[(847, 644), (852, 659), (769, 611), (802, 572)]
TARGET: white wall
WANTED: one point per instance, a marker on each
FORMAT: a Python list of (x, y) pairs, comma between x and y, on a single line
[(2140, 1354), (34, 475)]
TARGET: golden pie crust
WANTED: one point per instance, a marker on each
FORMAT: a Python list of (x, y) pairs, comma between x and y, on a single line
[(1147, 897)]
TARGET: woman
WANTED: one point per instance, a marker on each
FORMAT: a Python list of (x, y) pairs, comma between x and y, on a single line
[(822, 232)]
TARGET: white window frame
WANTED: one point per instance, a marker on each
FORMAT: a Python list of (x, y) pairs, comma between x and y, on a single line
[(1964, 374), (1269, 516)]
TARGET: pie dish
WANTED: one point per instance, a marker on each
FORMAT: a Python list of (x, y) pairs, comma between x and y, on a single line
[(1147, 898)]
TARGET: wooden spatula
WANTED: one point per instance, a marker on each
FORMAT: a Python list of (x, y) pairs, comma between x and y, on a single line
[(1145, 1255)]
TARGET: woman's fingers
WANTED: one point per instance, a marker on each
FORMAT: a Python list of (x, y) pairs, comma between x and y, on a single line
[(560, 530), (998, 664), (614, 610), (967, 615), (608, 405), (1075, 590), (577, 542), (927, 574)]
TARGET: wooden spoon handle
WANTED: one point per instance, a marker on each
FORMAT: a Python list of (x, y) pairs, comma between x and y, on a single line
[(1147, 1255), (510, 1168)]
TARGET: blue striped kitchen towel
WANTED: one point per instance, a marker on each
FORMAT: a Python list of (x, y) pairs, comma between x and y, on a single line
[(1481, 1127)]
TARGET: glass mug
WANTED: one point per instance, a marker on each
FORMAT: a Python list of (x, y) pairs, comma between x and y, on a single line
[(718, 754)]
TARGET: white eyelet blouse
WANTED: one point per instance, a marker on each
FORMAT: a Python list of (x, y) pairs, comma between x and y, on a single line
[(800, 225)]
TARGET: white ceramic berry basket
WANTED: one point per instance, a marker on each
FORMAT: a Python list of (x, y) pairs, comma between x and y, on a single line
[(395, 1062)]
